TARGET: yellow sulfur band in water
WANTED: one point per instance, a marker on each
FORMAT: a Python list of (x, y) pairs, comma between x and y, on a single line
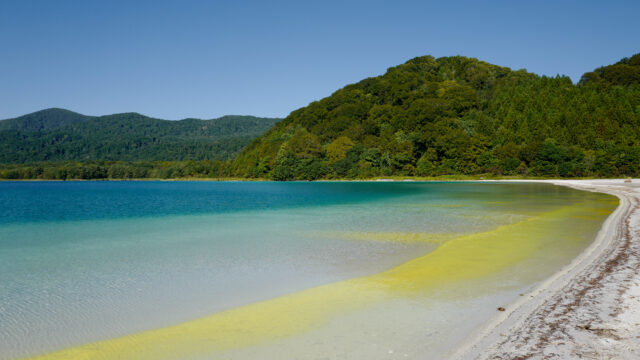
[(394, 237), (462, 258)]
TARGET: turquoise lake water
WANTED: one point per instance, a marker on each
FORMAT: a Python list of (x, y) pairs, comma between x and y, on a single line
[(87, 261)]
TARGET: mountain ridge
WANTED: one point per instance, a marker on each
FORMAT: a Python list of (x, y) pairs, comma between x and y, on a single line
[(428, 117), (60, 135), (55, 113), (45, 119)]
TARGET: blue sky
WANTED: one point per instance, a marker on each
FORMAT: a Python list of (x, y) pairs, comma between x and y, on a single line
[(177, 59)]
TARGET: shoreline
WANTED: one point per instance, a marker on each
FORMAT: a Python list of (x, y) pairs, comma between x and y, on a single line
[(588, 309), (407, 278), (443, 178), (507, 334)]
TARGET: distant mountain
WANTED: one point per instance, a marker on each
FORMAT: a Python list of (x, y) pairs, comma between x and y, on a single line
[(60, 135), (458, 115), (47, 119)]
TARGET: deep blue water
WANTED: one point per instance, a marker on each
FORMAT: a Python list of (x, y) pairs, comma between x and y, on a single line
[(56, 200), (88, 200)]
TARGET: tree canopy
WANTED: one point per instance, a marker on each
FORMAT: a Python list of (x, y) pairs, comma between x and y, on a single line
[(62, 135), (625, 72), (426, 117), (458, 115)]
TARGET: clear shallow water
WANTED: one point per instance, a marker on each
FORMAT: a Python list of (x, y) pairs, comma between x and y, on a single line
[(87, 261)]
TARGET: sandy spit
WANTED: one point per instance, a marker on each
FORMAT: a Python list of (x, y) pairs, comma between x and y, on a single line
[(590, 309)]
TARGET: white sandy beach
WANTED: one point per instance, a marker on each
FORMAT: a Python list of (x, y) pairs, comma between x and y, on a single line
[(590, 309)]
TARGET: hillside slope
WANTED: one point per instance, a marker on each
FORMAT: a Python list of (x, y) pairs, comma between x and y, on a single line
[(60, 135), (456, 115), (47, 119)]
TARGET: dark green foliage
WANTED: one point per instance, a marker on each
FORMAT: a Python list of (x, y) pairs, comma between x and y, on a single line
[(47, 119), (624, 73), (61, 135), (427, 117), (457, 115), (115, 170)]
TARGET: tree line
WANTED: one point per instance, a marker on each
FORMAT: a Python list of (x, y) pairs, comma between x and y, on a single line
[(428, 117), (458, 115), (106, 170)]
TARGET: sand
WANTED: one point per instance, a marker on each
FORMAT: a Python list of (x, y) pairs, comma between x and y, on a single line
[(590, 309)]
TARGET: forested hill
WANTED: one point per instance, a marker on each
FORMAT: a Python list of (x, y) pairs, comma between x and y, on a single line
[(625, 72), (59, 135), (47, 119), (458, 115)]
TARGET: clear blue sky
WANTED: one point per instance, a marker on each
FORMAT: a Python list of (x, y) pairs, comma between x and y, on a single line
[(177, 59)]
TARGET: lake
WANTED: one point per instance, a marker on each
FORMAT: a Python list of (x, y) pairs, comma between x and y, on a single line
[(245, 270)]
